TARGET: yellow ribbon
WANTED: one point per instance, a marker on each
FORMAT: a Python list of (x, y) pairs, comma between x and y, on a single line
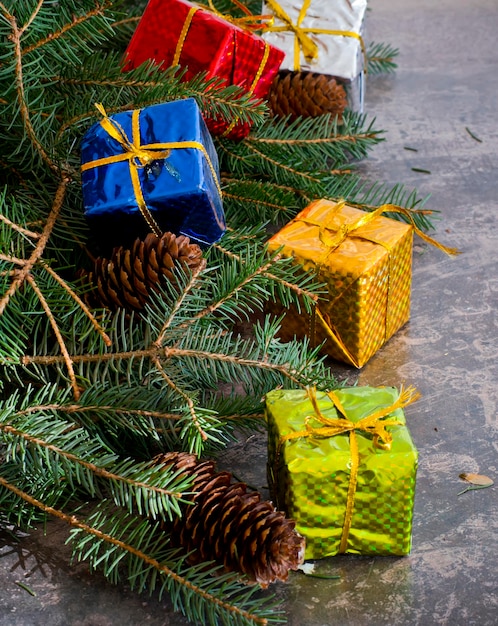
[(334, 241), (139, 155), (302, 41), (373, 424)]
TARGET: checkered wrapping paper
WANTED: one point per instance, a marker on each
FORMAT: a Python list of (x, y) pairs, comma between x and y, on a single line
[(211, 44), (309, 477), (368, 279)]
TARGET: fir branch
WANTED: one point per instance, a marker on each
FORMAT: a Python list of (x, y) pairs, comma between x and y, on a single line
[(20, 277), (179, 301), (300, 292), (380, 58), (91, 409), (80, 303), (19, 81), (185, 397), (32, 17), (19, 229), (179, 585), (153, 499), (67, 359)]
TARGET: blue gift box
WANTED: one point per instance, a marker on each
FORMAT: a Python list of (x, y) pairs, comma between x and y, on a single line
[(151, 169)]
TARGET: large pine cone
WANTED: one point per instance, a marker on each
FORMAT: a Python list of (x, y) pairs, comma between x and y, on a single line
[(234, 528), (306, 94), (128, 278)]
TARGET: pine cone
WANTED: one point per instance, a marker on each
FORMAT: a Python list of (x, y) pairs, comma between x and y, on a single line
[(234, 528), (129, 277), (307, 94)]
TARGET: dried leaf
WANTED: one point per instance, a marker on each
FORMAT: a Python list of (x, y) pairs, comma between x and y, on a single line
[(478, 480)]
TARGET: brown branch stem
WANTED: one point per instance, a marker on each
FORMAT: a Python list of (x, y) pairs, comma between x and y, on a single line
[(278, 163), (193, 280), (19, 229), (40, 246), (185, 397), (32, 17), (105, 337), (58, 335), (91, 408), (76, 21), (167, 353)]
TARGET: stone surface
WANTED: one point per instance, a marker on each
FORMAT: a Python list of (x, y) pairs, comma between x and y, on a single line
[(447, 81)]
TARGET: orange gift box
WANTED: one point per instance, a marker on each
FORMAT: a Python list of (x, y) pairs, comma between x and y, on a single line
[(365, 261)]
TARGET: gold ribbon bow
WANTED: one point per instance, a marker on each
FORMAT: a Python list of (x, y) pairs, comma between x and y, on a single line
[(373, 424), (333, 241), (139, 155), (302, 41)]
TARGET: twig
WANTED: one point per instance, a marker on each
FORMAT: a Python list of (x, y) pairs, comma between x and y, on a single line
[(193, 280), (292, 286), (472, 135), (15, 37), (185, 396), (21, 275), (32, 17), (76, 21), (105, 337), (20, 229), (167, 353), (92, 408), (58, 335), (279, 164)]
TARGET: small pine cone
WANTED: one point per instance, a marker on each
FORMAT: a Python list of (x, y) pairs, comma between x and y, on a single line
[(232, 527), (307, 94), (128, 278)]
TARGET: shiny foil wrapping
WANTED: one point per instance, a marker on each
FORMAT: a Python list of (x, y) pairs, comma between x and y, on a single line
[(338, 56), (368, 279), (309, 477), (209, 44), (180, 191)]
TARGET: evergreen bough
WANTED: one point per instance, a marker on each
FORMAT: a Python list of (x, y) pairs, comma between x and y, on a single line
[(89, 397)]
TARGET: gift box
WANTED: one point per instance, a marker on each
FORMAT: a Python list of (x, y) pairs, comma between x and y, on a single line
[(364, 259), (323, 36), (152, 169), (343, 466), (180, 33)]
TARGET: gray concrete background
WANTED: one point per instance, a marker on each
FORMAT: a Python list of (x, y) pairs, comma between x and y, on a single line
[(447, 80)]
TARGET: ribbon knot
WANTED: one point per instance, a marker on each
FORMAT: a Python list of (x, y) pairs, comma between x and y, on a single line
[(135, 152), (303, 40)]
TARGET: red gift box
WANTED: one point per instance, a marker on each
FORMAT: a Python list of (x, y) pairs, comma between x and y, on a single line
[(177, 32)]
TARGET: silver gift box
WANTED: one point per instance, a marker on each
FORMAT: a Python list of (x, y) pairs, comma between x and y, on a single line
[(338, 55)]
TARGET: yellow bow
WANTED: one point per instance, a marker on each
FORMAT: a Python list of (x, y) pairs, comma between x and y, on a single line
[(333, 241)]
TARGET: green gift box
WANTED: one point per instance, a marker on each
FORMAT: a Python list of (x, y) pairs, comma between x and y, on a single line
[(343, 465)]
